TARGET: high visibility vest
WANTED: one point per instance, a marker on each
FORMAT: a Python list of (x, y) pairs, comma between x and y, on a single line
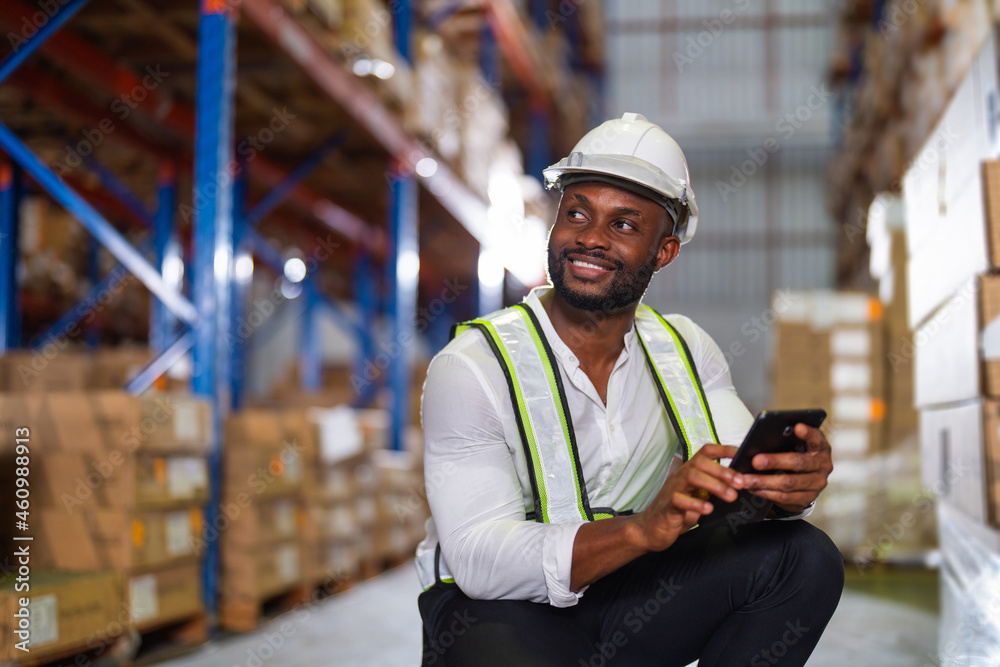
[(542, 413), (546, 426)]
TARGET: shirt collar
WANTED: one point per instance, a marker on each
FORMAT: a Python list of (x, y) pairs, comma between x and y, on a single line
[(559, 348)]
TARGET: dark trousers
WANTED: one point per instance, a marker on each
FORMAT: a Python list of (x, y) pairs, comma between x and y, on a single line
[(760, 597)]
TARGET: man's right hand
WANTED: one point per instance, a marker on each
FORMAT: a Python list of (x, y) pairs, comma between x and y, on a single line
[(683, 499), (604, 546)]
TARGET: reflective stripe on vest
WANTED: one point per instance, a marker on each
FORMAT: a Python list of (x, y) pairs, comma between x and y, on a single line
[(677, 380), (542, 413)]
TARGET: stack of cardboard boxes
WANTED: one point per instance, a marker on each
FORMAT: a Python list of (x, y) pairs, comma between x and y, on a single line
[(950, 199), (118, 484), (828, 354), (401, 504), (261, 522), (340, 507), (368, 506), (900, 522), (66, 613)]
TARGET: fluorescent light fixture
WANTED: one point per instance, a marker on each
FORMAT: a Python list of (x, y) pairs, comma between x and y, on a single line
[(408, 267), (362, 66), (173, 267), (382, 69), (295, 270), (290, 290), (426, 167), (243, 268)]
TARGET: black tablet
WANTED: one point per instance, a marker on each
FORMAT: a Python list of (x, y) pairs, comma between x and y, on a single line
[(773, 432)]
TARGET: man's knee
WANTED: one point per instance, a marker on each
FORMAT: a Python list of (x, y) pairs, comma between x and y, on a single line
[(816, 556)]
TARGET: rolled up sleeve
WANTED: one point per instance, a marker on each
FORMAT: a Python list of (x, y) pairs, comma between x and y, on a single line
[(476, 497)]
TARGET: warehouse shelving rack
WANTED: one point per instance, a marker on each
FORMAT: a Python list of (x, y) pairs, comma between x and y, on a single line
[(224, 227)]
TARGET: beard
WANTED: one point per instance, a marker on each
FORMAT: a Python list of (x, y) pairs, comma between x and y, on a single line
[(626, 289)]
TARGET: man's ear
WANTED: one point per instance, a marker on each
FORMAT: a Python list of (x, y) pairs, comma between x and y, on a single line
[(670, 246)]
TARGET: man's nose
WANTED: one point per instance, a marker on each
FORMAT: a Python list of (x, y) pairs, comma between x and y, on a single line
[(592, 236)]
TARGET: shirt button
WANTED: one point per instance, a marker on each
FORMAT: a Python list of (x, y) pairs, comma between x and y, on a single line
[(612, 428)]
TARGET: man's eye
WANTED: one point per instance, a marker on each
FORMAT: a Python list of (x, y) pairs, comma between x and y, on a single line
[(575, 215), (624, 224)]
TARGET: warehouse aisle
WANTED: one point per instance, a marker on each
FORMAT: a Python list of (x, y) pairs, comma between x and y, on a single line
[(376, 625)]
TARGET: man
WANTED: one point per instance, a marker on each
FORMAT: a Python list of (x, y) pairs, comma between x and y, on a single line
[(574, 445)]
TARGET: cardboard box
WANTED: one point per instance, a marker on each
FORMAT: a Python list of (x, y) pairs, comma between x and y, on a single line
[(113, 368), (953, 456), (264, 455), (174, 422), (263, 521), (96, 421), (991, 204), (335, 560), (397, 471), (67, 612), (259, 573), (989, 325), (108, 421), (164, 595), (940, 269), (344, 480), (73, 480), (94, 539), (334, 521), (43, 371), (947, 363)]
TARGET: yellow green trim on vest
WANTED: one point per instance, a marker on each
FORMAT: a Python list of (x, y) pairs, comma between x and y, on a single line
[(692, 371), (536, 464), (550, 376)]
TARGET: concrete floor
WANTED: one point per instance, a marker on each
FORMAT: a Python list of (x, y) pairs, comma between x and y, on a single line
[(376, 624)]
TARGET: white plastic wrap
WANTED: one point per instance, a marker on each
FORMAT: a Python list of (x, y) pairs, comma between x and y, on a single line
[(970, 591)]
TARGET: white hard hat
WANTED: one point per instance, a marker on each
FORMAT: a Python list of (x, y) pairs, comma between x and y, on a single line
[(632, 151)]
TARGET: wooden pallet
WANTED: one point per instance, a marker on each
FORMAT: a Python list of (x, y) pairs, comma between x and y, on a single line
[(244, 615), (172, 639), (115, 653)]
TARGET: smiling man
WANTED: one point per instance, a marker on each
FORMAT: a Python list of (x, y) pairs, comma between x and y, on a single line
[(574, 447)]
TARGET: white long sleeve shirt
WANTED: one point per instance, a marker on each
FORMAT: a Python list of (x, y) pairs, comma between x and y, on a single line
[(477, 477)]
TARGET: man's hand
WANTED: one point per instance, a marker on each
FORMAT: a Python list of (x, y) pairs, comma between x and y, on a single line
[(807, 475), (683, 499)]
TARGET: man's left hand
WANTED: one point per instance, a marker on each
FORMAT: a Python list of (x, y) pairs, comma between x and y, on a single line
[(806, 474)]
